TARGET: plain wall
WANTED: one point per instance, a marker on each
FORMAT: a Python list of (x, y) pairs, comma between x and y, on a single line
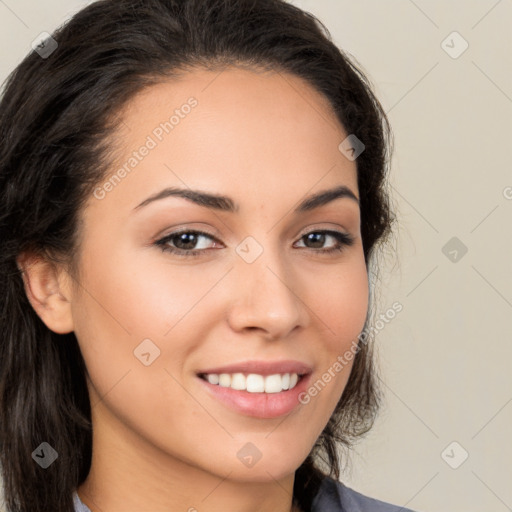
[(445, 358)]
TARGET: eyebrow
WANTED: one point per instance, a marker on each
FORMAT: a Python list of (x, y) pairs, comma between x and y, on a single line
[(226, 204)]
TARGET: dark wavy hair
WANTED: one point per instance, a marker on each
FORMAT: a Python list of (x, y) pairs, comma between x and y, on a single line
[(58, 115)]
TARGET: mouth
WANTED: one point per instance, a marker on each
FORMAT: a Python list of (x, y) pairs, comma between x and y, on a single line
[(256, 395)]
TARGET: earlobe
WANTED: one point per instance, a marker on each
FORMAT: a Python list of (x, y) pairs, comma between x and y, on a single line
[(43, 281)]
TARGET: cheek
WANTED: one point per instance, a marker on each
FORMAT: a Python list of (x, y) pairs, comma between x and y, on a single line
[(129, 309), (340, 304), (130, 306), (130, 298), (339, 300)]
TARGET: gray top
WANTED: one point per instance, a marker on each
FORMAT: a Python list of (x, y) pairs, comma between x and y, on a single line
[(79, 506), (333, 496)]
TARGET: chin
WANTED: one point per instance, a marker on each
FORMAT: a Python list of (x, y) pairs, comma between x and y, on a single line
[(275, 465)]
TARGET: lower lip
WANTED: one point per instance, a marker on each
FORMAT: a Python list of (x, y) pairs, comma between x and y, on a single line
[(259, 405)]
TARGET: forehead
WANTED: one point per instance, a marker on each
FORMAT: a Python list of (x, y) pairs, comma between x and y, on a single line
[(260, 132), (231, 87)]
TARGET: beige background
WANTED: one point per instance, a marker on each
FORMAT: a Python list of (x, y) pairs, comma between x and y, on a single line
[(445, 359)]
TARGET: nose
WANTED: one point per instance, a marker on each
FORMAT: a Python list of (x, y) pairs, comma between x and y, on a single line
[(266, 297)]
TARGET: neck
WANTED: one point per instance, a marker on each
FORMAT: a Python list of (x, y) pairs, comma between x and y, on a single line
[(128, 474)]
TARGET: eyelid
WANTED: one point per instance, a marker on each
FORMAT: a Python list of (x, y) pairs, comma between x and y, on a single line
[(331, 227)]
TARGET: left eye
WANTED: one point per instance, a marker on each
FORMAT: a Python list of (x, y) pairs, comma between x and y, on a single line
[(184, 241)]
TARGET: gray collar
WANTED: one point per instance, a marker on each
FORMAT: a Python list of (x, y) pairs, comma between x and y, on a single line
[(79, 506)]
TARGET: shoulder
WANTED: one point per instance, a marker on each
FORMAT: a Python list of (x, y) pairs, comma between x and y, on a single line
[(334, 496)]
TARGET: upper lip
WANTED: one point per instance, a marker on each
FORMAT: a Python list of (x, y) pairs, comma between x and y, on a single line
[(262, 367)]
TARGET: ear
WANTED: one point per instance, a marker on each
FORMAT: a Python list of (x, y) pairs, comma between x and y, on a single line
[(48, 289)]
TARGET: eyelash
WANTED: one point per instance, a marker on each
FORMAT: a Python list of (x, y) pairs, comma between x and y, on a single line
[(344, 240)]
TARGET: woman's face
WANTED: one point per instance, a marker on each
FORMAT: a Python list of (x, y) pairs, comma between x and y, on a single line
[(148, 321)]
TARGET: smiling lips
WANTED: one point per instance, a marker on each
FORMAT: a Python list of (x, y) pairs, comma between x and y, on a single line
[(257, 376), (262, 389)]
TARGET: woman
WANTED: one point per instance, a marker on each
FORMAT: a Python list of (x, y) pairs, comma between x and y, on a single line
[(192, 195)]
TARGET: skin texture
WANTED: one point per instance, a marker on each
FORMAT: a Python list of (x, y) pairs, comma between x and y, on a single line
[(160, 443)]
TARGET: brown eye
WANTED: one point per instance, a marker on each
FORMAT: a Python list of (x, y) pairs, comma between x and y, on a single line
[(183, 243), (318, 239), (185, 240)]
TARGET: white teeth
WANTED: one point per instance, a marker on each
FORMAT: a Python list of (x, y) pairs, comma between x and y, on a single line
[(238, 381), (213, 378), (254, 383), (224, 380)]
